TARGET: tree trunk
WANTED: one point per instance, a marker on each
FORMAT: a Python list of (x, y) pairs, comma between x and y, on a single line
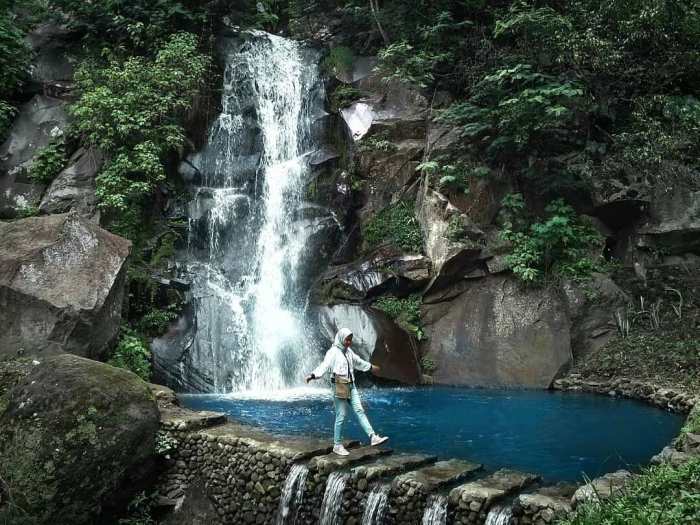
[(374, 6)]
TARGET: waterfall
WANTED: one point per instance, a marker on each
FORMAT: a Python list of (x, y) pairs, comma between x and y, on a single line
[(333, 499), (376, 505), (435, 510), (292, 495), (499, 515), (248, 234)]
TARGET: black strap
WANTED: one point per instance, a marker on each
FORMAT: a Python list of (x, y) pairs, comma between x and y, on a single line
[(350, 375)]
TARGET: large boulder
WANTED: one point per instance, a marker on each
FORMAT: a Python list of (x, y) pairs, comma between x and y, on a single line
[(54, 49), (61, 286), (74, 187), (674, 222), (376, 338), (496, 333), (76, 441)]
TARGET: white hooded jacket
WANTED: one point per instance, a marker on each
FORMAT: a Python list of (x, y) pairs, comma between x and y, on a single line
[(340, 361)]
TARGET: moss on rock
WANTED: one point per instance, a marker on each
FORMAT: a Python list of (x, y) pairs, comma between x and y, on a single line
[(76, 440)]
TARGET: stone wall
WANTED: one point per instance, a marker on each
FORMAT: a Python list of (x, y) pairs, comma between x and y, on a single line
[(238, 473)]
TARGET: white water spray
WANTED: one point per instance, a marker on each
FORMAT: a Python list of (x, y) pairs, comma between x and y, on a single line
[(499, 515), (292, 495), (435, 510), (249, 304), (333, 499), (376, 506)]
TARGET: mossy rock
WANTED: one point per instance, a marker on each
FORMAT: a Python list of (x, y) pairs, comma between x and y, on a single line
[(77, 440)]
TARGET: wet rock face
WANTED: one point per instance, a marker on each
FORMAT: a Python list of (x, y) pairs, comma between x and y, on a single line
[(39, 120), (674, 223), (74, 187), (375, 338), (496, 333), (384, 270), (76, 441), (61, 286)]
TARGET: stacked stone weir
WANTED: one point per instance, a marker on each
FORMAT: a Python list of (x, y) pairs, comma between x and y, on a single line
[(240, 471), (470, 503), (410, 491)]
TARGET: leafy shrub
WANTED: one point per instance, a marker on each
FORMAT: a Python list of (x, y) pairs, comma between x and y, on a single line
[(396, 224), (139, 511), (406, 312), (377, 142), (132, 353), (344, 96), (402, 62), (48, 162), (14, 54), (454, 176), (518, 109), (561, 244), (26, 210), (340, 60), (131, 110), (428, 365), (7, 113), (140, 23), (661, 495), (156, 321)]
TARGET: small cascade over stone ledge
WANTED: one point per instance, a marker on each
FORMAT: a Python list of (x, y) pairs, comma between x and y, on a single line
[(247, 476)]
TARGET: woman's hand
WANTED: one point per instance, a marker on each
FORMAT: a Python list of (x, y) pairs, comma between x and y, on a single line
[(375, 369)]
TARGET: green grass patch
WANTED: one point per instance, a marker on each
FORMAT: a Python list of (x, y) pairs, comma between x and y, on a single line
[(659, 357), (662, 495), (405, 312), (396, 224)]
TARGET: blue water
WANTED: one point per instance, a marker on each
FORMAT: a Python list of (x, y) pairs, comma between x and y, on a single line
[(561, 436)]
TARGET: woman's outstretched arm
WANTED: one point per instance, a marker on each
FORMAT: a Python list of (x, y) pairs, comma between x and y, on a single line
[(321, 369)]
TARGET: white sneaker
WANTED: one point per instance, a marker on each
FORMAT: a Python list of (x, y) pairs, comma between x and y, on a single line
[(340, 450), (377, 440)]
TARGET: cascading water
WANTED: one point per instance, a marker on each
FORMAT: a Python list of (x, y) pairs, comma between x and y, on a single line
[(499, 515), (435, 510), (333, 499), (292, 495), (248, 229), (376, 506)]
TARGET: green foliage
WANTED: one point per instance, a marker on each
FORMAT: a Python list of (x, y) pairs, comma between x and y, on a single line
[(340, 61), (132, 353), (135, 23), (165, 443), (452, 177), (561, 244), (7, 113), (662, 495), (14, 54), (428, 365), (396, 224), (48, 162), (517, 109), (377, 142), (156, 321), (139, 511), (406, 312), (132, 110), (26, 210), (402, 62), (343, 96)]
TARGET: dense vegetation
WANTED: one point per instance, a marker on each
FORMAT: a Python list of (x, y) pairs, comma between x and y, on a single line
[(662, 495), (567, 100)]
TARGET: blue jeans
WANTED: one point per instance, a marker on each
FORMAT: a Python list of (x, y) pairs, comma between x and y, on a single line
[(341, 414)]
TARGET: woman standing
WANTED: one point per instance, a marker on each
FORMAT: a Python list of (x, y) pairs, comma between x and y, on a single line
[(341, 362)]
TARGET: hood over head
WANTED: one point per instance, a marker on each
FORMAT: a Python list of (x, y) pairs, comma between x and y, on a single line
[(340, 337)]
